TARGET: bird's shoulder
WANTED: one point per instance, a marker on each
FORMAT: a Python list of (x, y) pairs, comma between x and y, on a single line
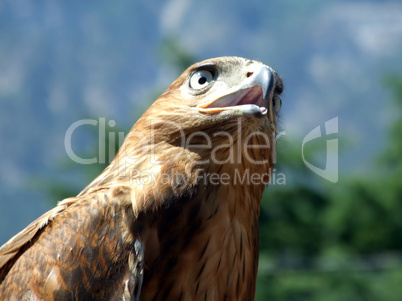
[(75, 247), (11, 248)]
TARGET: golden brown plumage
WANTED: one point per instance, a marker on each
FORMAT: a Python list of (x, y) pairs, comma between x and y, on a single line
[(175, 215)]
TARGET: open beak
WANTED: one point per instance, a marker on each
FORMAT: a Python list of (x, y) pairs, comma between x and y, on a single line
[(252, 98)]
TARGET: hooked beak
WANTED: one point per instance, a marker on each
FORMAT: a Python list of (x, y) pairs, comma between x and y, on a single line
[(253, 97)]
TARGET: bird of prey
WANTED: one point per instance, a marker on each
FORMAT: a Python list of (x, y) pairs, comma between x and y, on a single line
[(175, 214)]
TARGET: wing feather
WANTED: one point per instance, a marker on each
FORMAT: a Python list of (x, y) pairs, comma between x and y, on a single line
[(11, 248), (83, 248)]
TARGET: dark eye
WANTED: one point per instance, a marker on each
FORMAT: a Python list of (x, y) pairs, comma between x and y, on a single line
[(201, 79), (277, 104)]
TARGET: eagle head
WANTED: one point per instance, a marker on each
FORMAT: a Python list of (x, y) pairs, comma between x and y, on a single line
[(219, 116), (216, 90)]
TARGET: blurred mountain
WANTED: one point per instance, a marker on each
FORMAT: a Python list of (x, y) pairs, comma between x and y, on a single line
[(61, 62)]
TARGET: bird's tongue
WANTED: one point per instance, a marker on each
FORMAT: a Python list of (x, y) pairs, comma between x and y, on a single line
[(253, 96)]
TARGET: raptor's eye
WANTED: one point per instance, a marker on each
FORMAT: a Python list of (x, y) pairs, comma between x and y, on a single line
[(201, 79)]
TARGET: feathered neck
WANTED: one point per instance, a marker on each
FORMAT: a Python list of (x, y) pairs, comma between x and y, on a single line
[(161, 158)]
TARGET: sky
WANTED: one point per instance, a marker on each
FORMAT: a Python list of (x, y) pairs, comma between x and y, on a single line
[(65, 61)]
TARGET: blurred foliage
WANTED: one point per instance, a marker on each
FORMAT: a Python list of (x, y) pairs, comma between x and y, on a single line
[(391, 158), (171, 52), (318, 241)]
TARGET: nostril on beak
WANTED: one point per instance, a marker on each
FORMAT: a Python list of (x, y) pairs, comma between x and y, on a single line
[(249, 74)]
